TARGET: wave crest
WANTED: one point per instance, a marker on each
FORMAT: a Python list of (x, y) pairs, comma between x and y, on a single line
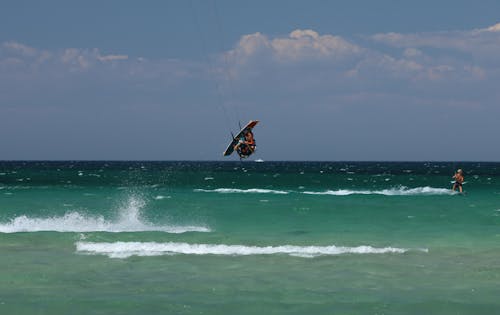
[(395, 191), (243, 191), (399, 191), (127, 249), (129, 220)]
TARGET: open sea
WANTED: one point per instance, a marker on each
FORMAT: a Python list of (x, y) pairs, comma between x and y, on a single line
[(248, 238)]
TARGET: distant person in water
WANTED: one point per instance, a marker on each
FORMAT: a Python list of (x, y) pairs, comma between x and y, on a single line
[(459, 180)]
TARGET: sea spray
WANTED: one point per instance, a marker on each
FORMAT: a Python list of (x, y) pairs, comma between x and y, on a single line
[(397, 191), (129, 219)]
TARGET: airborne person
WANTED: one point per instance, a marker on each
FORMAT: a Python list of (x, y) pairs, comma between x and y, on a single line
[(244, 142), (245, 147)]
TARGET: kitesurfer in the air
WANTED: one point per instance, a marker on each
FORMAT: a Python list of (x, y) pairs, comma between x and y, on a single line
[(245, 147)]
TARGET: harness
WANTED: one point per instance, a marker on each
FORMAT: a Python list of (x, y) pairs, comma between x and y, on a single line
[(244, 150)]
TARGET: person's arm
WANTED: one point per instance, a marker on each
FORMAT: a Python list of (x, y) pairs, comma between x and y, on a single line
[(240, 142)]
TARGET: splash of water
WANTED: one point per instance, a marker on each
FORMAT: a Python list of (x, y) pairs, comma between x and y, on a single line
[(399, 191), (129, 220)]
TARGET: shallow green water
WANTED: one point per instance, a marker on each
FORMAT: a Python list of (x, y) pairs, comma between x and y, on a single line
[(248, 238)]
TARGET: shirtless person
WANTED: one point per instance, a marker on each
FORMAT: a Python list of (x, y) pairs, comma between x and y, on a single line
[(459, 180)]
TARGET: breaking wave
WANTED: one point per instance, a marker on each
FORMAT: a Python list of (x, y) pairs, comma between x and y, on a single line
[(396, 191), (400, 191), (129, 220), (128, 249), (243, 191)]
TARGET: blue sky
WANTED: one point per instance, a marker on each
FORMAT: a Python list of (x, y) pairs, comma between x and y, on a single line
[(329, 80)]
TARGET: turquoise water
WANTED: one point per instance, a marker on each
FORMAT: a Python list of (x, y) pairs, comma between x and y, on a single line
[(248, 238)]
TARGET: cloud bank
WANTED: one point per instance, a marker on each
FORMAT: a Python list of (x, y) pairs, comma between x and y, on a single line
[(449, 55), (467, 55)]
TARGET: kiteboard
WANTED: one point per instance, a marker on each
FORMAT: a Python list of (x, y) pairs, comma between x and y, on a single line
[(230, 147)]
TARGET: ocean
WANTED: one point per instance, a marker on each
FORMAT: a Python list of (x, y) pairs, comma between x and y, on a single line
[(248, 238)]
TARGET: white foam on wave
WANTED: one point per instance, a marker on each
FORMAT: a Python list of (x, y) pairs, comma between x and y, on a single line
[(129, 220), (399, 191), (161, 197), (128, 249), (243, 191)]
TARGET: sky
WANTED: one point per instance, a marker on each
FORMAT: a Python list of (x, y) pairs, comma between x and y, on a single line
[(328, 80)]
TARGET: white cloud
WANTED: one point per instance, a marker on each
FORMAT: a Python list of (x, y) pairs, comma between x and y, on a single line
[(19, 48), (71, 59), (80, 59), (483, 43), (301, 60), (308, 44), (412, 53), (15, 56), (112, 57), (299, 45), (250, 45), (384, 66), (494, 28), (331, 57)]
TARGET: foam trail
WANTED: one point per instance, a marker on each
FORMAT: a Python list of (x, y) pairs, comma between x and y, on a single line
[(400, 191), (243, 191), (127, 249), (129, 220)]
